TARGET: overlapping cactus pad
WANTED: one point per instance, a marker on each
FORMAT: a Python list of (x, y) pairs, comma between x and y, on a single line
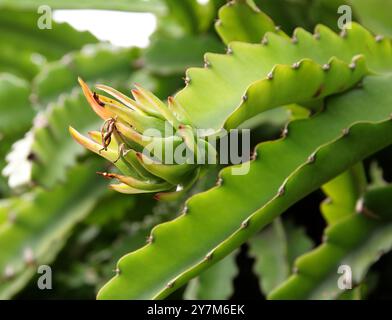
[(333, 88), (251, 78)]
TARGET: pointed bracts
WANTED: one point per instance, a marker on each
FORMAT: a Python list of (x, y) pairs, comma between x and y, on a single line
[(150, 142)]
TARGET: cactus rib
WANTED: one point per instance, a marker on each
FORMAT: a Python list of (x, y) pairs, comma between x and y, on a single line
[(346, 124), (40, 225), (231, 75), (356, 241)]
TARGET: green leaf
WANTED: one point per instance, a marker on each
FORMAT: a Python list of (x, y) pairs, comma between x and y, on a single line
[(47, 151), (117, 204), (16, 116), (185, 13), (239, 21), (156, 6), (326, 12), (5, 206), (374, 14), (24, 47), (356, 241), (343, 193), (173, 55), (356, 293), (288, 14), (187, 17), (137, 234), (16, 113), (23, 64), (285, 82), (376, 176), (93, 63), (40, 225), (243, 73), (5, 147), (269, 248), (351, 127), (215, 283), (275, 250)]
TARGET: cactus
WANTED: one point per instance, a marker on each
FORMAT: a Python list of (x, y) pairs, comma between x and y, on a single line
[(215, 283), (116, 64), (250, 79), (44, 163), (18, 30), (24, 51), (14, 89), (333, 89), (370, 14), (297, 178), (37, 226), (256, 88), (357, 241), (275, 249), (50, 130)]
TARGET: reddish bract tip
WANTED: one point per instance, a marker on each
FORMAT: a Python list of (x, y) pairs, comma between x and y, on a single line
[(106, 175), (93, 101), (157, 196), (135, 92), (96, 98)]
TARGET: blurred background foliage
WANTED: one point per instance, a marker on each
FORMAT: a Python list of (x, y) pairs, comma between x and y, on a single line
[(55, 210)]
